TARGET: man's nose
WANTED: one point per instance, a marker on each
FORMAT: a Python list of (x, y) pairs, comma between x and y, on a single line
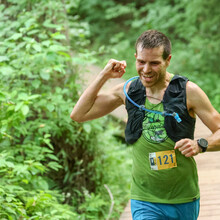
[(146, 68)]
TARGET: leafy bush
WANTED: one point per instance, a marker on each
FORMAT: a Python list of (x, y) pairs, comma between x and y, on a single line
[(50, 167)]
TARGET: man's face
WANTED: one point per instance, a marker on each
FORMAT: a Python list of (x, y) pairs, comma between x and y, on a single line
[(150, 65)]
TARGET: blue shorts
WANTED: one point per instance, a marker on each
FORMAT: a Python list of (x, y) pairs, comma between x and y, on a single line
[(157, 211)]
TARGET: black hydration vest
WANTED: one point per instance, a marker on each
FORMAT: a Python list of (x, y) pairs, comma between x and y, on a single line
[(174, 100)]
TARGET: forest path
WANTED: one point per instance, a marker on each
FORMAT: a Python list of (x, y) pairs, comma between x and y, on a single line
[(207, 163)]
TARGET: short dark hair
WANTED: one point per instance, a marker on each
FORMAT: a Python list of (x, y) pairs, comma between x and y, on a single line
[(153, 38)]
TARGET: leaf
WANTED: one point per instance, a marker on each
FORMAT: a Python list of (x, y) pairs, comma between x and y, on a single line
[(15, 36), (3, 58), (32, 32), (43, 184), (54, 165), (52, 156), (66, 177), (33, 97), (45, 75), (46, 43), (36, 83), (47, 142), (58, 36), (64, 54), (48, 24), (25, 110), (22, 96), (3, 50), (25, 181), (87, 127), (2, 96), (6, 70), (9, 199), (18, 106), (50, 107), (30, 202), (56, 48), (9, 164), (30, 22), (37, 47)]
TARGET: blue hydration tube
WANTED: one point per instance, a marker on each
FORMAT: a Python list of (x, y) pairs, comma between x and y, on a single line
[(142, 107)]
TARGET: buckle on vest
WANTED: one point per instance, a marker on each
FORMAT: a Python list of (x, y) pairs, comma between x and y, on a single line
[(141, 107)]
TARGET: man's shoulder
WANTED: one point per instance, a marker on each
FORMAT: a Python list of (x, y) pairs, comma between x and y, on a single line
[(194, 94), (192, 87)]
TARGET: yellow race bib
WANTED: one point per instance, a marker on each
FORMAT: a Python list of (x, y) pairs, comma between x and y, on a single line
[(162, 160)]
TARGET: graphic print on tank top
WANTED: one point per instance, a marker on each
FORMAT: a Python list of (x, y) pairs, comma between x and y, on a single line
[(153, 128)]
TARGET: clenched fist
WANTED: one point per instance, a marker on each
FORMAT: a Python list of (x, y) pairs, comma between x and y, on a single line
[(114, 68), (188, 147)]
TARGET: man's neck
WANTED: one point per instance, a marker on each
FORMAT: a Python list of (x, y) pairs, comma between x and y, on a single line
[(155, 93)]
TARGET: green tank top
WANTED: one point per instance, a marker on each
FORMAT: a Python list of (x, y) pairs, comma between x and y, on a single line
[(161, 174)]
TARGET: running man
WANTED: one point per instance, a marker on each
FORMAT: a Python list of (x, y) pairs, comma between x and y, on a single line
[(164, 174)]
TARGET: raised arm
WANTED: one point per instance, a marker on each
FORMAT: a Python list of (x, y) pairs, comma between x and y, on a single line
[(93, 105)]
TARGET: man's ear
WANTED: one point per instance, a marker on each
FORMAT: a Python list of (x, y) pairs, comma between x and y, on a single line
[(168, 60), (135, 54), (169, 57)]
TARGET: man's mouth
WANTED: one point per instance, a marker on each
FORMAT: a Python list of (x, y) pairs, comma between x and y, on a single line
[(147, 76)]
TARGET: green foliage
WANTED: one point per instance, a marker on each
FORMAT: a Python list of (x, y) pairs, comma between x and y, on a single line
[(24, 193), (50, 167), (192, 27), (33, 60)]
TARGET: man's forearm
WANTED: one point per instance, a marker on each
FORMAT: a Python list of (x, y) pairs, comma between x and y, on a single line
[(88, 98)]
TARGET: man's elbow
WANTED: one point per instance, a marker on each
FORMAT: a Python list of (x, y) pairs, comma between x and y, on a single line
[(76, 118)]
